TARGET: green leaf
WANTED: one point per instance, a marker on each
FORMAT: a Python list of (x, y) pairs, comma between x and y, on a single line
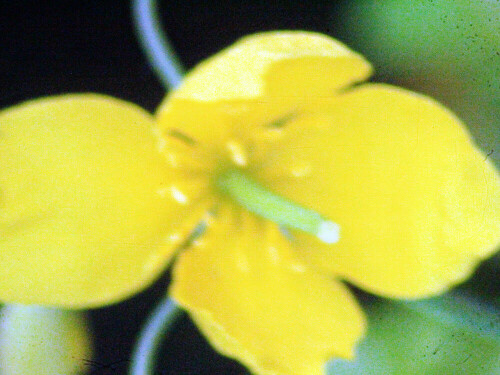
[(449, 335)]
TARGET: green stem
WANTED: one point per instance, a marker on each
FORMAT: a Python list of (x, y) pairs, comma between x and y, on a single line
[(155, 44), (268, 205), (154, 331)]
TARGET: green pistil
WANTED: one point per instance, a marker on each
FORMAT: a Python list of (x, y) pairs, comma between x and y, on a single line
[(260, 201)]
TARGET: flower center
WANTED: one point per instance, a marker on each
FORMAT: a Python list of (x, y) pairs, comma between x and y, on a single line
[(257, 199)]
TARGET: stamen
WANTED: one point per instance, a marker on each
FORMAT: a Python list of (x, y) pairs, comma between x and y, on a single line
[(282, 121), (237, 152), (181, 136), (178, 195), (182, 151), (282, 211)]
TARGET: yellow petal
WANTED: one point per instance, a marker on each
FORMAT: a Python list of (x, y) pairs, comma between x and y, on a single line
[(417, 203), (213, 128), (257, 304), (289, 63), (84, 216), (261, 77)]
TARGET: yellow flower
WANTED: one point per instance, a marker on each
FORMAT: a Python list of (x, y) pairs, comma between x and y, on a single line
[(91, 212)]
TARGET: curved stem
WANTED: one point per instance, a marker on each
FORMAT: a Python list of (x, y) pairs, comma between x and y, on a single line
[(155, 44), (154, 331)]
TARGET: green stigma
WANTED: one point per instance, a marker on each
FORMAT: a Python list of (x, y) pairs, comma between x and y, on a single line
[(260, 201)]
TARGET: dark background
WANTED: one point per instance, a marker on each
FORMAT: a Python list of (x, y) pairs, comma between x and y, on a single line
[(56, 47)]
